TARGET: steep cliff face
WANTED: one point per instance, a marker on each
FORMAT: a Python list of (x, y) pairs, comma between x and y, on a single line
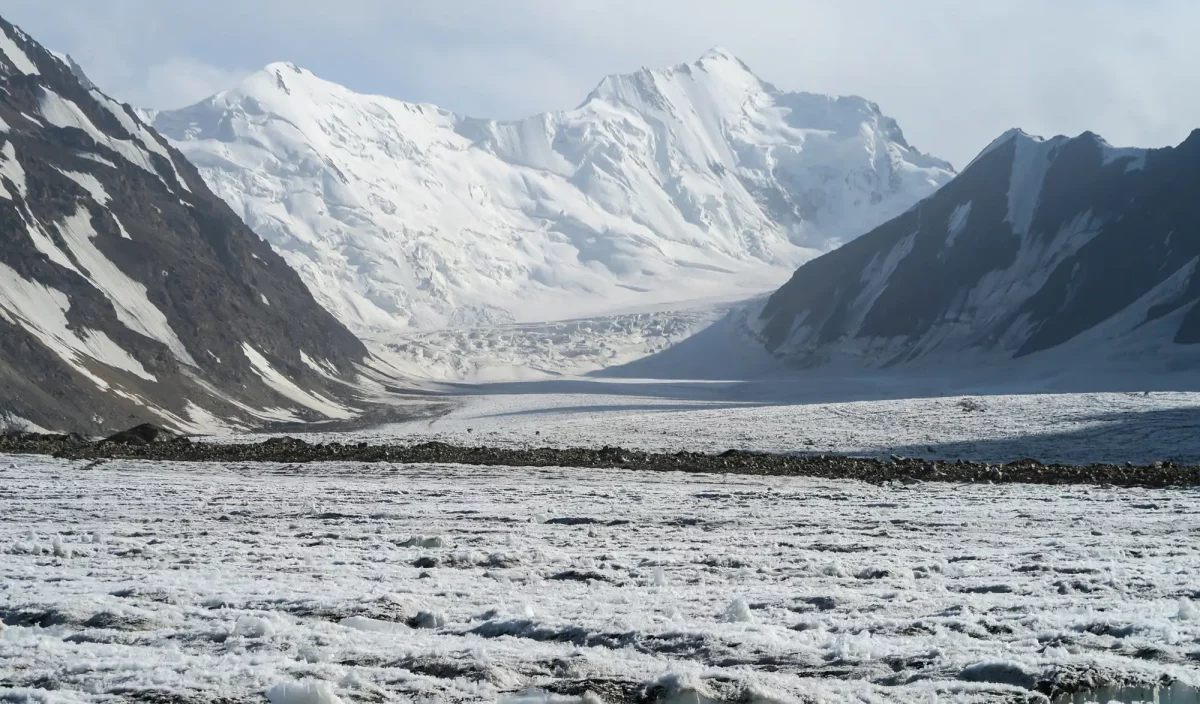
[(699, 180), (1037, 243), (128, 291)]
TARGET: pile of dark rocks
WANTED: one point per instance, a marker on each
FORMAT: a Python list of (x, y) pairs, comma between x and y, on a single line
[(147, 442)]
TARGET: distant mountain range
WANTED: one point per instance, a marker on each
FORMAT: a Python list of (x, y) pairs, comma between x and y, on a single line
[(665, 185), (128, 291), (1064, 245), (132, 290)]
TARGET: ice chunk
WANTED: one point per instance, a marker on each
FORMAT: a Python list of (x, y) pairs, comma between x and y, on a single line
[(253, 627), (429, 619), (303, 692), (738, 611), (371, 625), (426, 542)]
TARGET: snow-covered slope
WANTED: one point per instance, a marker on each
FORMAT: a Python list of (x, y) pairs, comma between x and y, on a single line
[(128, 291), (1067, 248), (663, 186)]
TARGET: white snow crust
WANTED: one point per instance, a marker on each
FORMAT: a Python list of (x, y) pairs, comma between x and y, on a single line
[(175, 582)]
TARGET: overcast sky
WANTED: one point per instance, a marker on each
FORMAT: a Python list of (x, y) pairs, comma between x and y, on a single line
[(954, 73)]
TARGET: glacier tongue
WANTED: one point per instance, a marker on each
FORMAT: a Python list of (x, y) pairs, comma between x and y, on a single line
[(664, 185)]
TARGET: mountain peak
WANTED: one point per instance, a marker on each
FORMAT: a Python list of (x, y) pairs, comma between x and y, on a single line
[(727, 66), (1021, 138), (718, 72), (276, 83), (74, 67), (1013, 134), (285, 67), (718, 53)]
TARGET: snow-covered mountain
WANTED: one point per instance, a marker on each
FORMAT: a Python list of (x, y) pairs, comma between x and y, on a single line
[(128, 291), (696, 181), (1066, 247)]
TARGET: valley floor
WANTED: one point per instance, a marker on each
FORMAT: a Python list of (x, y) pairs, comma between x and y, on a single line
[(783, 416), (159, 582), (694, 379)]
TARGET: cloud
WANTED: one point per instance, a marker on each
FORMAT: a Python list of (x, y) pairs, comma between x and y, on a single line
[(954, 74), (184, 81)]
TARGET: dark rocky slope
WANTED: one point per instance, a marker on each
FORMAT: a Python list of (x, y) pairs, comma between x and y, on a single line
[(1037, 246), (128, 291)]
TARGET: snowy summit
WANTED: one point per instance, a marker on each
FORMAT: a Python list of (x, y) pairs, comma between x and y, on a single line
[(700, 180)]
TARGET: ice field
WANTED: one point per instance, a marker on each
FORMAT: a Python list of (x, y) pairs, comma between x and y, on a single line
[(349, 583)]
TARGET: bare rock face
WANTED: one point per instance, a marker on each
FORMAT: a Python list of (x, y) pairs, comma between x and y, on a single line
[(128, 291)]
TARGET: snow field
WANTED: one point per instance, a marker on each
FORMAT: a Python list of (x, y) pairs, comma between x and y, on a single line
[(352, 583)]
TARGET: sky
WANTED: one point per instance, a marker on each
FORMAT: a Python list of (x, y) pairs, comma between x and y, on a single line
[(953, 73)]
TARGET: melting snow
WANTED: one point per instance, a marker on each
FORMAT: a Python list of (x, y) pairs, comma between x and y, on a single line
[(41, 311), (10, 168), (94, 188), (128, 297), (89, 183), (288, 389), (16, 56), (322, 367), (1030, 163), (1135, 155), (97, 158), (134, 127), (61, 112), (958, 221)]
